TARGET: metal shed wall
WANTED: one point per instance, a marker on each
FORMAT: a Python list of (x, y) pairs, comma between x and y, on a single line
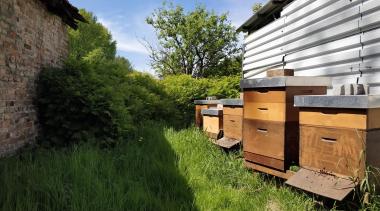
[(337, 38)]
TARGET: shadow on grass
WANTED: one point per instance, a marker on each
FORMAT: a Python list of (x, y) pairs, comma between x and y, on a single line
[(137, 175)]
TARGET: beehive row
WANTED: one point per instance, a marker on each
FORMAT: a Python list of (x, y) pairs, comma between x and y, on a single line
[(289, 121)]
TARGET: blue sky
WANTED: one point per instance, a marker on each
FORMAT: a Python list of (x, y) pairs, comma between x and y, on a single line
[(126, 21)]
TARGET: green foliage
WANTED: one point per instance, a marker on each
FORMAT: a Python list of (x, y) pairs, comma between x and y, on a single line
[(225, 87), (97, 96), (91, 41), (97, 102), (185, 89), (194, 43), (162, 170), (81, 104), (228, 67), (147, 99)]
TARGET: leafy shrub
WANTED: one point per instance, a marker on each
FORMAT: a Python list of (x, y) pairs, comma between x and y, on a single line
[(147, 99), (185, 89), (77, 104), (97, 102), (225, 87)]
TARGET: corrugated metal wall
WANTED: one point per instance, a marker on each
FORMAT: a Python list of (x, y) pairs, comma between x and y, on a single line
[(337, 38)]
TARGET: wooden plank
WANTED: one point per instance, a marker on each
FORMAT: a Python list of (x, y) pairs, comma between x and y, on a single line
[(322, 184), (372, 157), (237, 111), (335, 151), (263, 169), (227, 143), (292, 113), (373, 118), (265, 95), (265, 111), (291, 144), (281, 95), (264, 138), (198, 115), (333, 117), (280, 72), (233, 126), (372, 148), (221, 127), (292, 91), (265, 161), (211, 124), (212, 135)]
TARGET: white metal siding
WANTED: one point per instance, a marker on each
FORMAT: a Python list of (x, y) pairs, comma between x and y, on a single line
[(337, 38)]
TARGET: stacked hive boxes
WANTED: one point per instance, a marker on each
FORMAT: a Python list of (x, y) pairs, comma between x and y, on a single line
[(232, 123), (203, 104), (212, 122), (270, 120), (339, 136)]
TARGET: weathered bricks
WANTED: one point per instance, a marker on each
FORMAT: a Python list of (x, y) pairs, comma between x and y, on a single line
[(30, 38)]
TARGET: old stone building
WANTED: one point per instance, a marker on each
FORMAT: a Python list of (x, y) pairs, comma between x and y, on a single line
[(33, 35)]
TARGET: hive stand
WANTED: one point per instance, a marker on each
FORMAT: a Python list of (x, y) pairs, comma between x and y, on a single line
[(203, 104), (270, 121), (339, 138), (212, 122), (232, 123)]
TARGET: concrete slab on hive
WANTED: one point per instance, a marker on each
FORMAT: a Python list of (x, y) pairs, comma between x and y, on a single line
[(285, 81), (212, 112), (341, 101)]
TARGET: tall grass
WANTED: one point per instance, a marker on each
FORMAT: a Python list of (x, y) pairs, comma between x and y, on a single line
[(163, 170)]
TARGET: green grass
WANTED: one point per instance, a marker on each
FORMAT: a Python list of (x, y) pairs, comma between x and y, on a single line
[(163, 170)]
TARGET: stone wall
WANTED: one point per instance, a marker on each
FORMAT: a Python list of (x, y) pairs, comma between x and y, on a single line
[(30, 38)]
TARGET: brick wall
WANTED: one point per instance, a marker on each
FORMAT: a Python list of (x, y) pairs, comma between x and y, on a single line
[(30, 38)]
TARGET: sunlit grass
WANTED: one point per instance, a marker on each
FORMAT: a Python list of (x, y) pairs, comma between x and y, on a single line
[(165, 169)]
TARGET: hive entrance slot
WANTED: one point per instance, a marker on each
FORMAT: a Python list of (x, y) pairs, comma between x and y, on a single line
[(331, 112), (261, 130), (263, 91), (263, 109), (331, 140)]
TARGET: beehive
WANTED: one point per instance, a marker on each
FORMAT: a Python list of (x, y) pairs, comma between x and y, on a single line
[(339, 136), (203, 104), (270, 121), (232, 123), (212, 122)]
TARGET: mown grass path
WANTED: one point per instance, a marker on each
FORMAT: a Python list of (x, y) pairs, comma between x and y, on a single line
[(164, 170)]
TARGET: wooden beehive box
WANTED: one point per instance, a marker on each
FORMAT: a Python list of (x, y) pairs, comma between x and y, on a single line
[(203, 104), (339, 136), (232, 123), (270, 121), (212, 122)]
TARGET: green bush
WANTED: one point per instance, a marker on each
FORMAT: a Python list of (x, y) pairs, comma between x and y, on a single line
[(185, 89), (80, 104), (84, 102), (225, 87), (147, 99)]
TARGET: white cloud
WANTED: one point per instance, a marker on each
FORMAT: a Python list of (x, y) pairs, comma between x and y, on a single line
[(125, 41)]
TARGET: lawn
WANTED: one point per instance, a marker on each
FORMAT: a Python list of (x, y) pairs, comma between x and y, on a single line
[(164, 169)]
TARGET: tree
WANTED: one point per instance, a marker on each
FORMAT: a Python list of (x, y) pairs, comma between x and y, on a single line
[(193, 43), (256, 7), (91, 39), (230, 66), (92, 43)]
